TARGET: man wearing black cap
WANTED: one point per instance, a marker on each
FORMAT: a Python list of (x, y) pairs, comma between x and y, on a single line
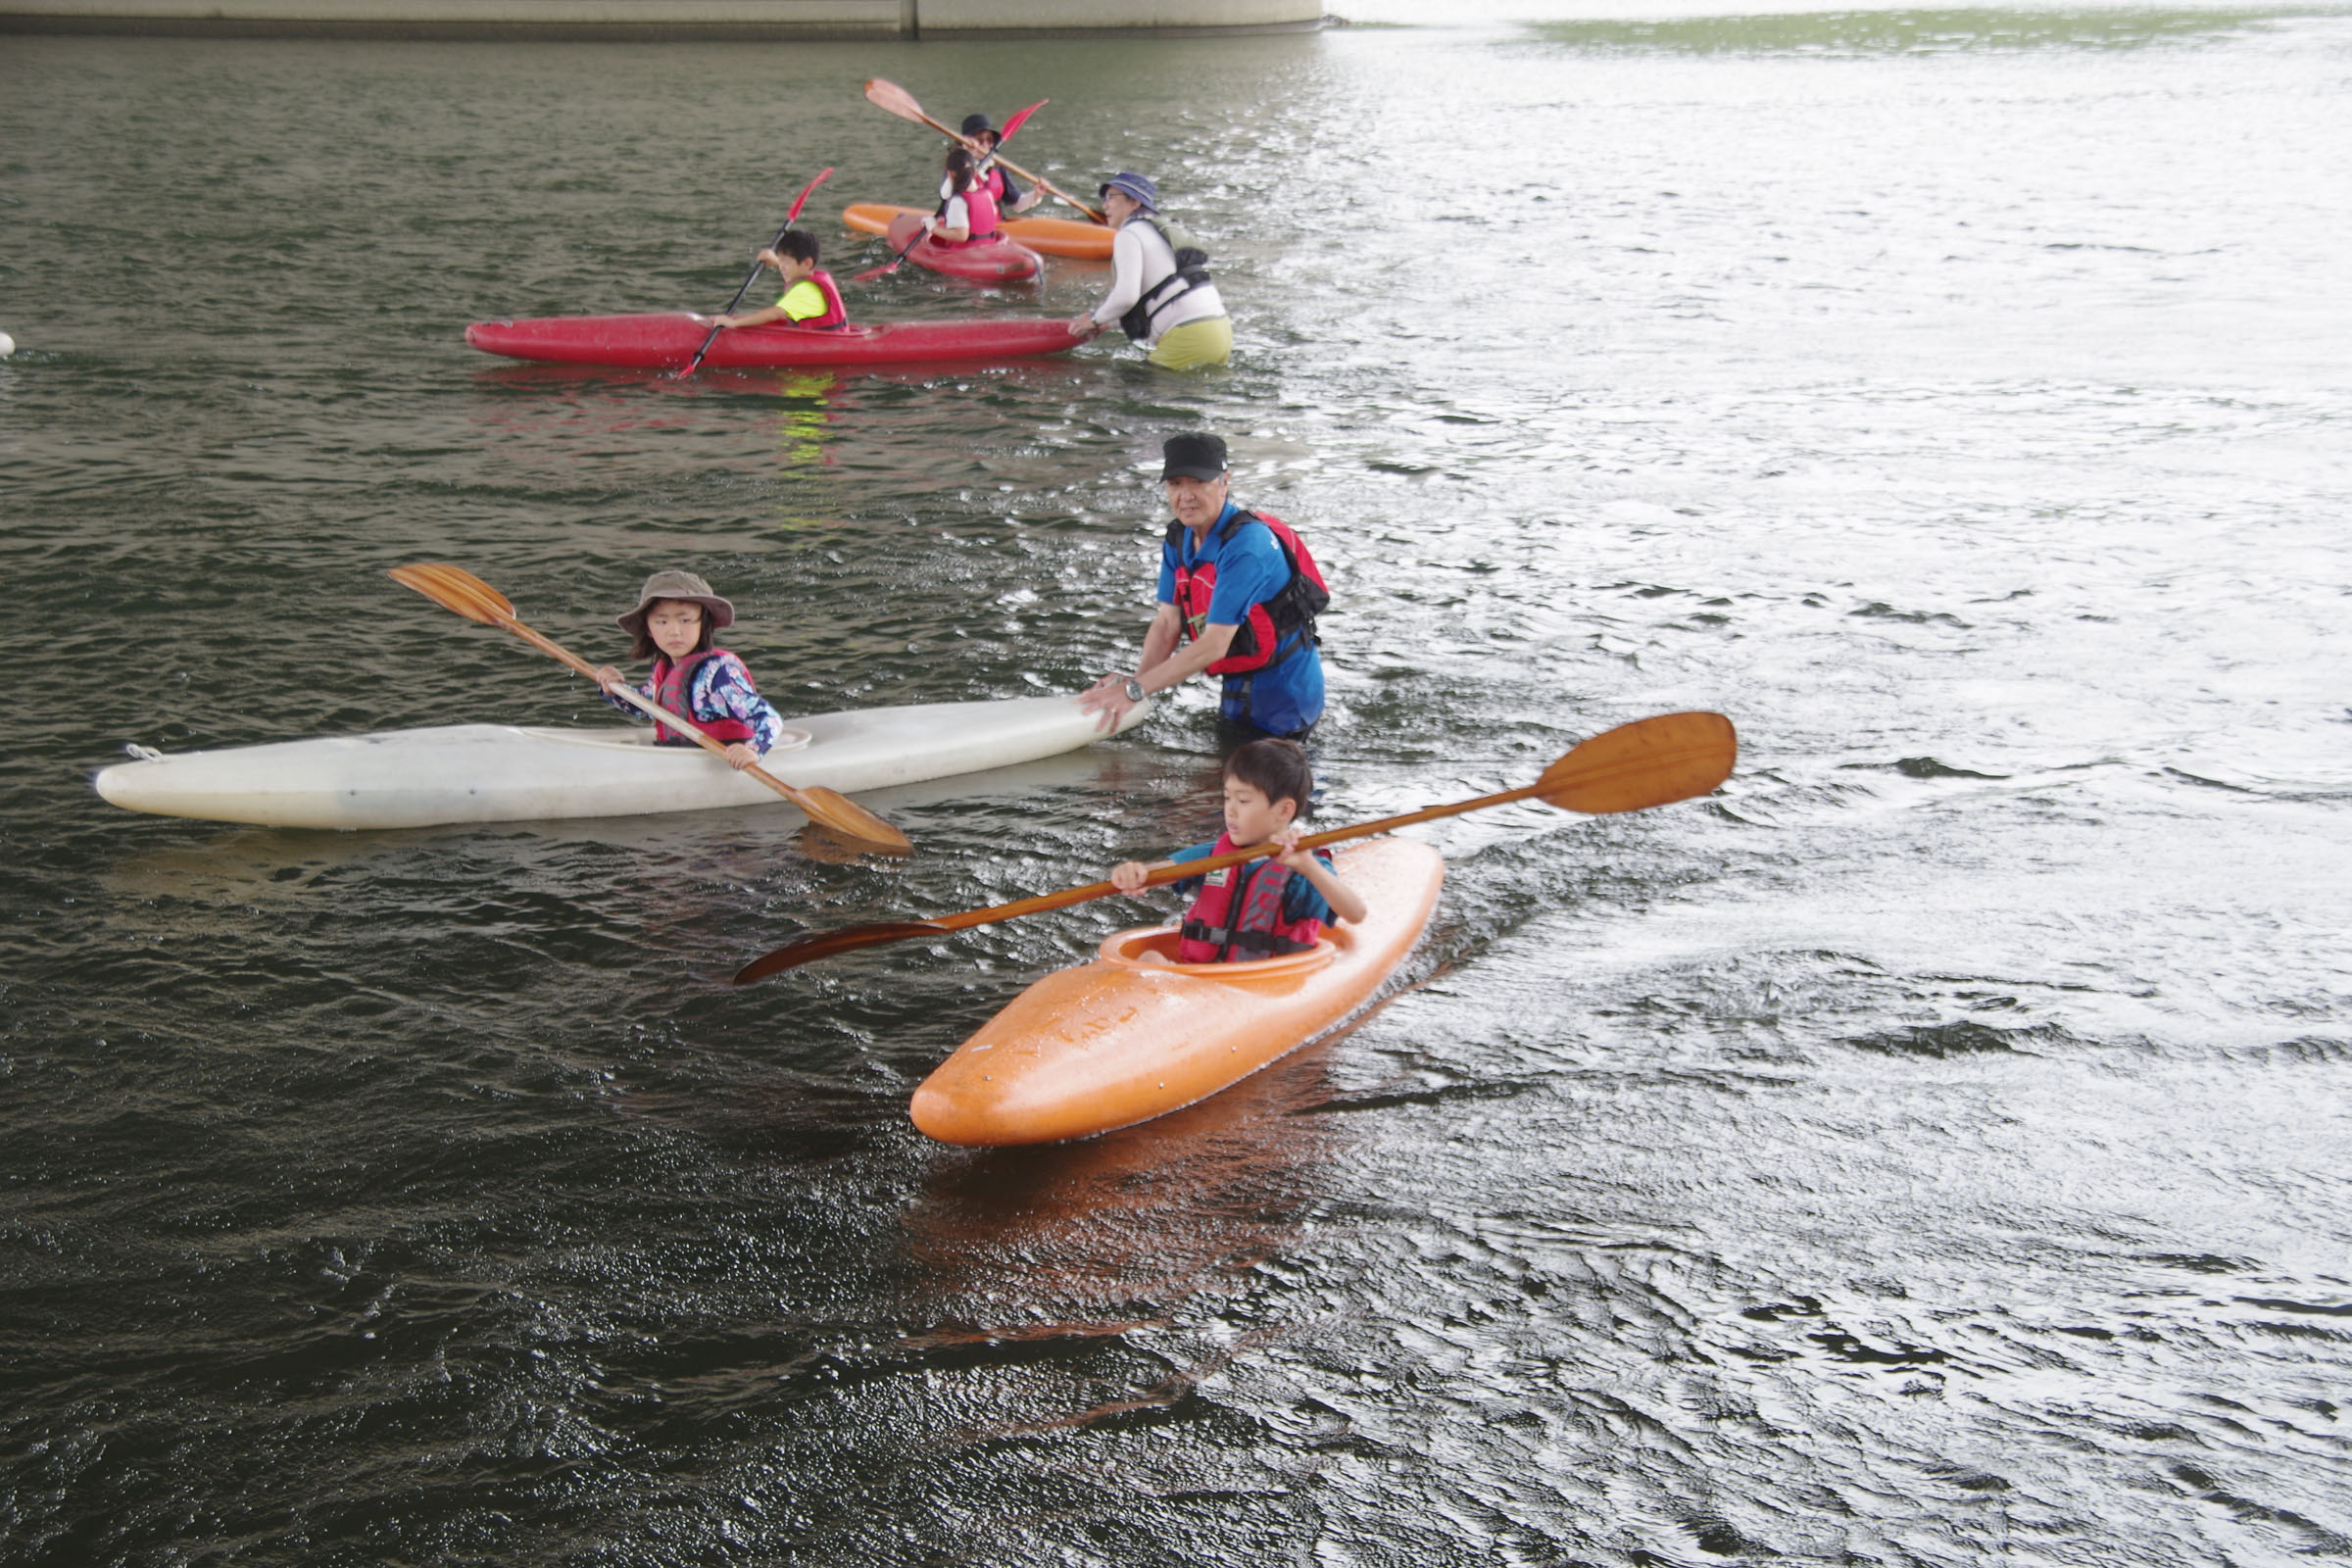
[(1010, 197), (1236, 599)]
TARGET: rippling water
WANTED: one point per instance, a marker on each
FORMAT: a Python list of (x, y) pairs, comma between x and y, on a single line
[(1931, 1149)]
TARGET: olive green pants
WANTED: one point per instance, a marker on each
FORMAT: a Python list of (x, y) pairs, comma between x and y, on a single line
[(1195, 344)]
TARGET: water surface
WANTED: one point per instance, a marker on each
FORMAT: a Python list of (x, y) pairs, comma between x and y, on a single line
[(1927, 1150)]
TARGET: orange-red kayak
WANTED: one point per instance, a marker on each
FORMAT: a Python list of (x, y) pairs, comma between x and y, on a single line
[(1122, 1040), (1053, 236)]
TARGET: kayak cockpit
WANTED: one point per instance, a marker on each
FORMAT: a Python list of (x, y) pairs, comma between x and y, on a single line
[(1154, 947)]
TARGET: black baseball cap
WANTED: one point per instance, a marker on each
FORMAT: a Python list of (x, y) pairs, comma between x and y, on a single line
[(1192, 457)]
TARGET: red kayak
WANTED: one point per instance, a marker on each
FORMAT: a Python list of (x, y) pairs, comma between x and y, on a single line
[(667, 341), (995, 260)]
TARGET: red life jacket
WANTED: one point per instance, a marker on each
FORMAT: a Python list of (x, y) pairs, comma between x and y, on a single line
[(837, 315), (1238, 915), (1262, 629), (673, 689)]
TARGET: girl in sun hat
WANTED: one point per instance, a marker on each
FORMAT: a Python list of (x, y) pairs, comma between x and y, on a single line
[(674, 619), (1160, 293)]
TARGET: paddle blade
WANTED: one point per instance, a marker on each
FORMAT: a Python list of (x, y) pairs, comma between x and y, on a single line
[(792, 954), (884, 270), (1647, 762), (894, 99), (1019, 120), (837, 814), (798, 202), (457, 589)]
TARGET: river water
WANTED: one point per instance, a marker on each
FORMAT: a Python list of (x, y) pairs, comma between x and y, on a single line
[(1929, 1149)]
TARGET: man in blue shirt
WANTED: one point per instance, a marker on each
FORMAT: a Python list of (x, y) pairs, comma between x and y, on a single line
[(1218, 583)]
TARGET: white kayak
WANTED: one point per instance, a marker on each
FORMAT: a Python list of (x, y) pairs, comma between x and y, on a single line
[(505, 773)]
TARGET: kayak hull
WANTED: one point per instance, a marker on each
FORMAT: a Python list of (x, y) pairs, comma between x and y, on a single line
[(668, 340), (505, 773), (1120, 1040), (992, 260), (1047, 236)]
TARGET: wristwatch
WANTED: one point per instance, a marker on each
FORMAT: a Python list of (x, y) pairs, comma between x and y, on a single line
[(1135, 690)]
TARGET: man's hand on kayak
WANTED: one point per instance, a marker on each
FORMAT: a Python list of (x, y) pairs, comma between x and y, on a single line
[(1107, 699), (1084, 324)]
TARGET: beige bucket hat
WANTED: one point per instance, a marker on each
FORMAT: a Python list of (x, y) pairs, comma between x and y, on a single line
[(676, 586)]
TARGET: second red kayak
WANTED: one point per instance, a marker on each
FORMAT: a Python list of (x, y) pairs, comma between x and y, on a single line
[(992, 260), (667, 341)]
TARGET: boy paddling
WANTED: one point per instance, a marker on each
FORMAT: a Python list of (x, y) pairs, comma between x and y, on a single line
[(809, 299), (1261, 909)]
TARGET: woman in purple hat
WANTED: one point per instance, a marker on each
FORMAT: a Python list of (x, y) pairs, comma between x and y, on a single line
[(1160, 293)]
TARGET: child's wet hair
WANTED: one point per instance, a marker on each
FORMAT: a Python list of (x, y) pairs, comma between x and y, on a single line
[(643, 646), (1276, 769), (801, 245)]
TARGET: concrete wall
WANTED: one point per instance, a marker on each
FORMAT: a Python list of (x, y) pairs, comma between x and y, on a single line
[(655, 18)]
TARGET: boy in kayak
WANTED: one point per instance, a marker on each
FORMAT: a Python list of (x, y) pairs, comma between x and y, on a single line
[(1265, 907), (809, 299), (675, 618)]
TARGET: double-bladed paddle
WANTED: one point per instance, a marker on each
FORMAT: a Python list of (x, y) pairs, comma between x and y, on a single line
[(895, 99), (1650, 762), (1002, 136), (790, 218), (454, 588)]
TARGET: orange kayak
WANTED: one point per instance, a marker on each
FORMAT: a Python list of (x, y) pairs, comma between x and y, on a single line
[(1123, 1038), (1054, 237)]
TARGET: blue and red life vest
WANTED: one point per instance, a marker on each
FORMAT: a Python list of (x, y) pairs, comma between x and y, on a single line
[(837, 315), (1238, 914), (673, 689), (1258, 636)]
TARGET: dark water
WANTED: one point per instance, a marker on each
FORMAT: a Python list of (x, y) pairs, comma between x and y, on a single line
[(1930, 1150)]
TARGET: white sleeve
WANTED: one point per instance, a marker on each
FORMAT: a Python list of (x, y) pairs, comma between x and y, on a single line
[(958, 214), (1126, 274)]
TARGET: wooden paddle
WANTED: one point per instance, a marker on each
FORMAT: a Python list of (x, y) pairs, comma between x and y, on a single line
[(897, 100), (1650, 762), (791, 217), (454, 588), (1002, 136)]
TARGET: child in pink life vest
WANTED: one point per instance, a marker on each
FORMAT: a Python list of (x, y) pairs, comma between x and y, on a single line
[(675, 618), (969, 214), (809, 298), (1261, 909)]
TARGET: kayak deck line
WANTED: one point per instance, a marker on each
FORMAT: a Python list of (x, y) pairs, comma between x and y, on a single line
[(455, 773), (1123, 1038)]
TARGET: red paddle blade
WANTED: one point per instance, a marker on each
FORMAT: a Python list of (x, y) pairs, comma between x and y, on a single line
[(894, 99), (794, 216), (1647, 762), (1019, 120), (795, 953)]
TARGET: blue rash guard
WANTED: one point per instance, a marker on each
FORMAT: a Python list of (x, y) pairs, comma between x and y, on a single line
[(1287, 695)]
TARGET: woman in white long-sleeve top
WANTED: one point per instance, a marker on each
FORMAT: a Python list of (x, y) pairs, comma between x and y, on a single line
[(1160, 293)]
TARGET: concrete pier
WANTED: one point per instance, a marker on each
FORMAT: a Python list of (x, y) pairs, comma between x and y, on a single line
[(653, 20)]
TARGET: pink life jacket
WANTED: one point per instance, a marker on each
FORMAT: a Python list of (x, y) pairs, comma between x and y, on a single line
[(1264, 627), (980, 217), (837, 315), (1238, 915), (673, 689)]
